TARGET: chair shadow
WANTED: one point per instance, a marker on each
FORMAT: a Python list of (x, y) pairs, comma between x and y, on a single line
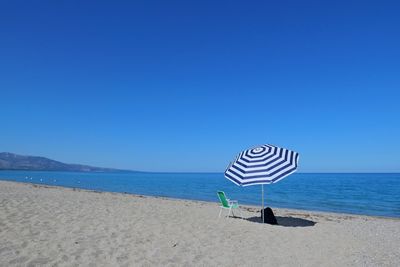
[(286, 221)]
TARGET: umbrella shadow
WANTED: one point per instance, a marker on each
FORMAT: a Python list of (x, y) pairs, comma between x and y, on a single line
[(286, 221)]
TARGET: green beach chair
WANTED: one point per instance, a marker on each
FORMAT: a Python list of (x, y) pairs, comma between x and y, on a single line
[(228, 204)]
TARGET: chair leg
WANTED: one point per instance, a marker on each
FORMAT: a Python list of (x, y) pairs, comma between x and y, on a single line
[(220, 211), (229, 213)]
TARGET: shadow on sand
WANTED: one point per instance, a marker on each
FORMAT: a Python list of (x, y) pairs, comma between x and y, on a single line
[(286, 221)]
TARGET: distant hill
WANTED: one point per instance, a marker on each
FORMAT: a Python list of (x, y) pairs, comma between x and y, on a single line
[(10, 161)]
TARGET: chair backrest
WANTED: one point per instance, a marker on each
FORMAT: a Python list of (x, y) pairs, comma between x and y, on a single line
[(222, 198)]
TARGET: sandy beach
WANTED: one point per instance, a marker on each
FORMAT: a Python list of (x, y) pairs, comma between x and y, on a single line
[(54, 226)]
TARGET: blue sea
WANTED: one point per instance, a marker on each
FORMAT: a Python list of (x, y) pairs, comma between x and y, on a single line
[(355, 193)]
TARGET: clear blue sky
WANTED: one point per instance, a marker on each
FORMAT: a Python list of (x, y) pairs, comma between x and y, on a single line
[(184, 86)]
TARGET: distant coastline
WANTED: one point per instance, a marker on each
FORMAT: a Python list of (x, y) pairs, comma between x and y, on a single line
[(10, 161)]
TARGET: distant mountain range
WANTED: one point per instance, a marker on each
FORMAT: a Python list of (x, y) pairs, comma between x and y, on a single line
[(10, 161)]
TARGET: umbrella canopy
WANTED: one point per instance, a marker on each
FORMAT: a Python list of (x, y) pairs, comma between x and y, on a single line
[(265, 164)]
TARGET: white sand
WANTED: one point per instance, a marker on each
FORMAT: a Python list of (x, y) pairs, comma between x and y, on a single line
[(53, 226)]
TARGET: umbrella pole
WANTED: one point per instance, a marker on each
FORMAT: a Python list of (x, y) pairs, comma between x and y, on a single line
[(262, 201)]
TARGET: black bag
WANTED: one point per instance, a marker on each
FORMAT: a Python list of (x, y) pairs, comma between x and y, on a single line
[(269, 216)]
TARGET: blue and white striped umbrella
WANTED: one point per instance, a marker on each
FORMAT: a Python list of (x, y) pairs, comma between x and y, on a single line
[(265, 164)]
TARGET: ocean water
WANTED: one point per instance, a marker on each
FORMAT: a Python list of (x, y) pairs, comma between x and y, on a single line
[(362, 193)]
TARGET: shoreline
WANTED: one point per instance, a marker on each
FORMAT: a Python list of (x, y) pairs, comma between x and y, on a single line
[(254, 208), (43, 225)]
